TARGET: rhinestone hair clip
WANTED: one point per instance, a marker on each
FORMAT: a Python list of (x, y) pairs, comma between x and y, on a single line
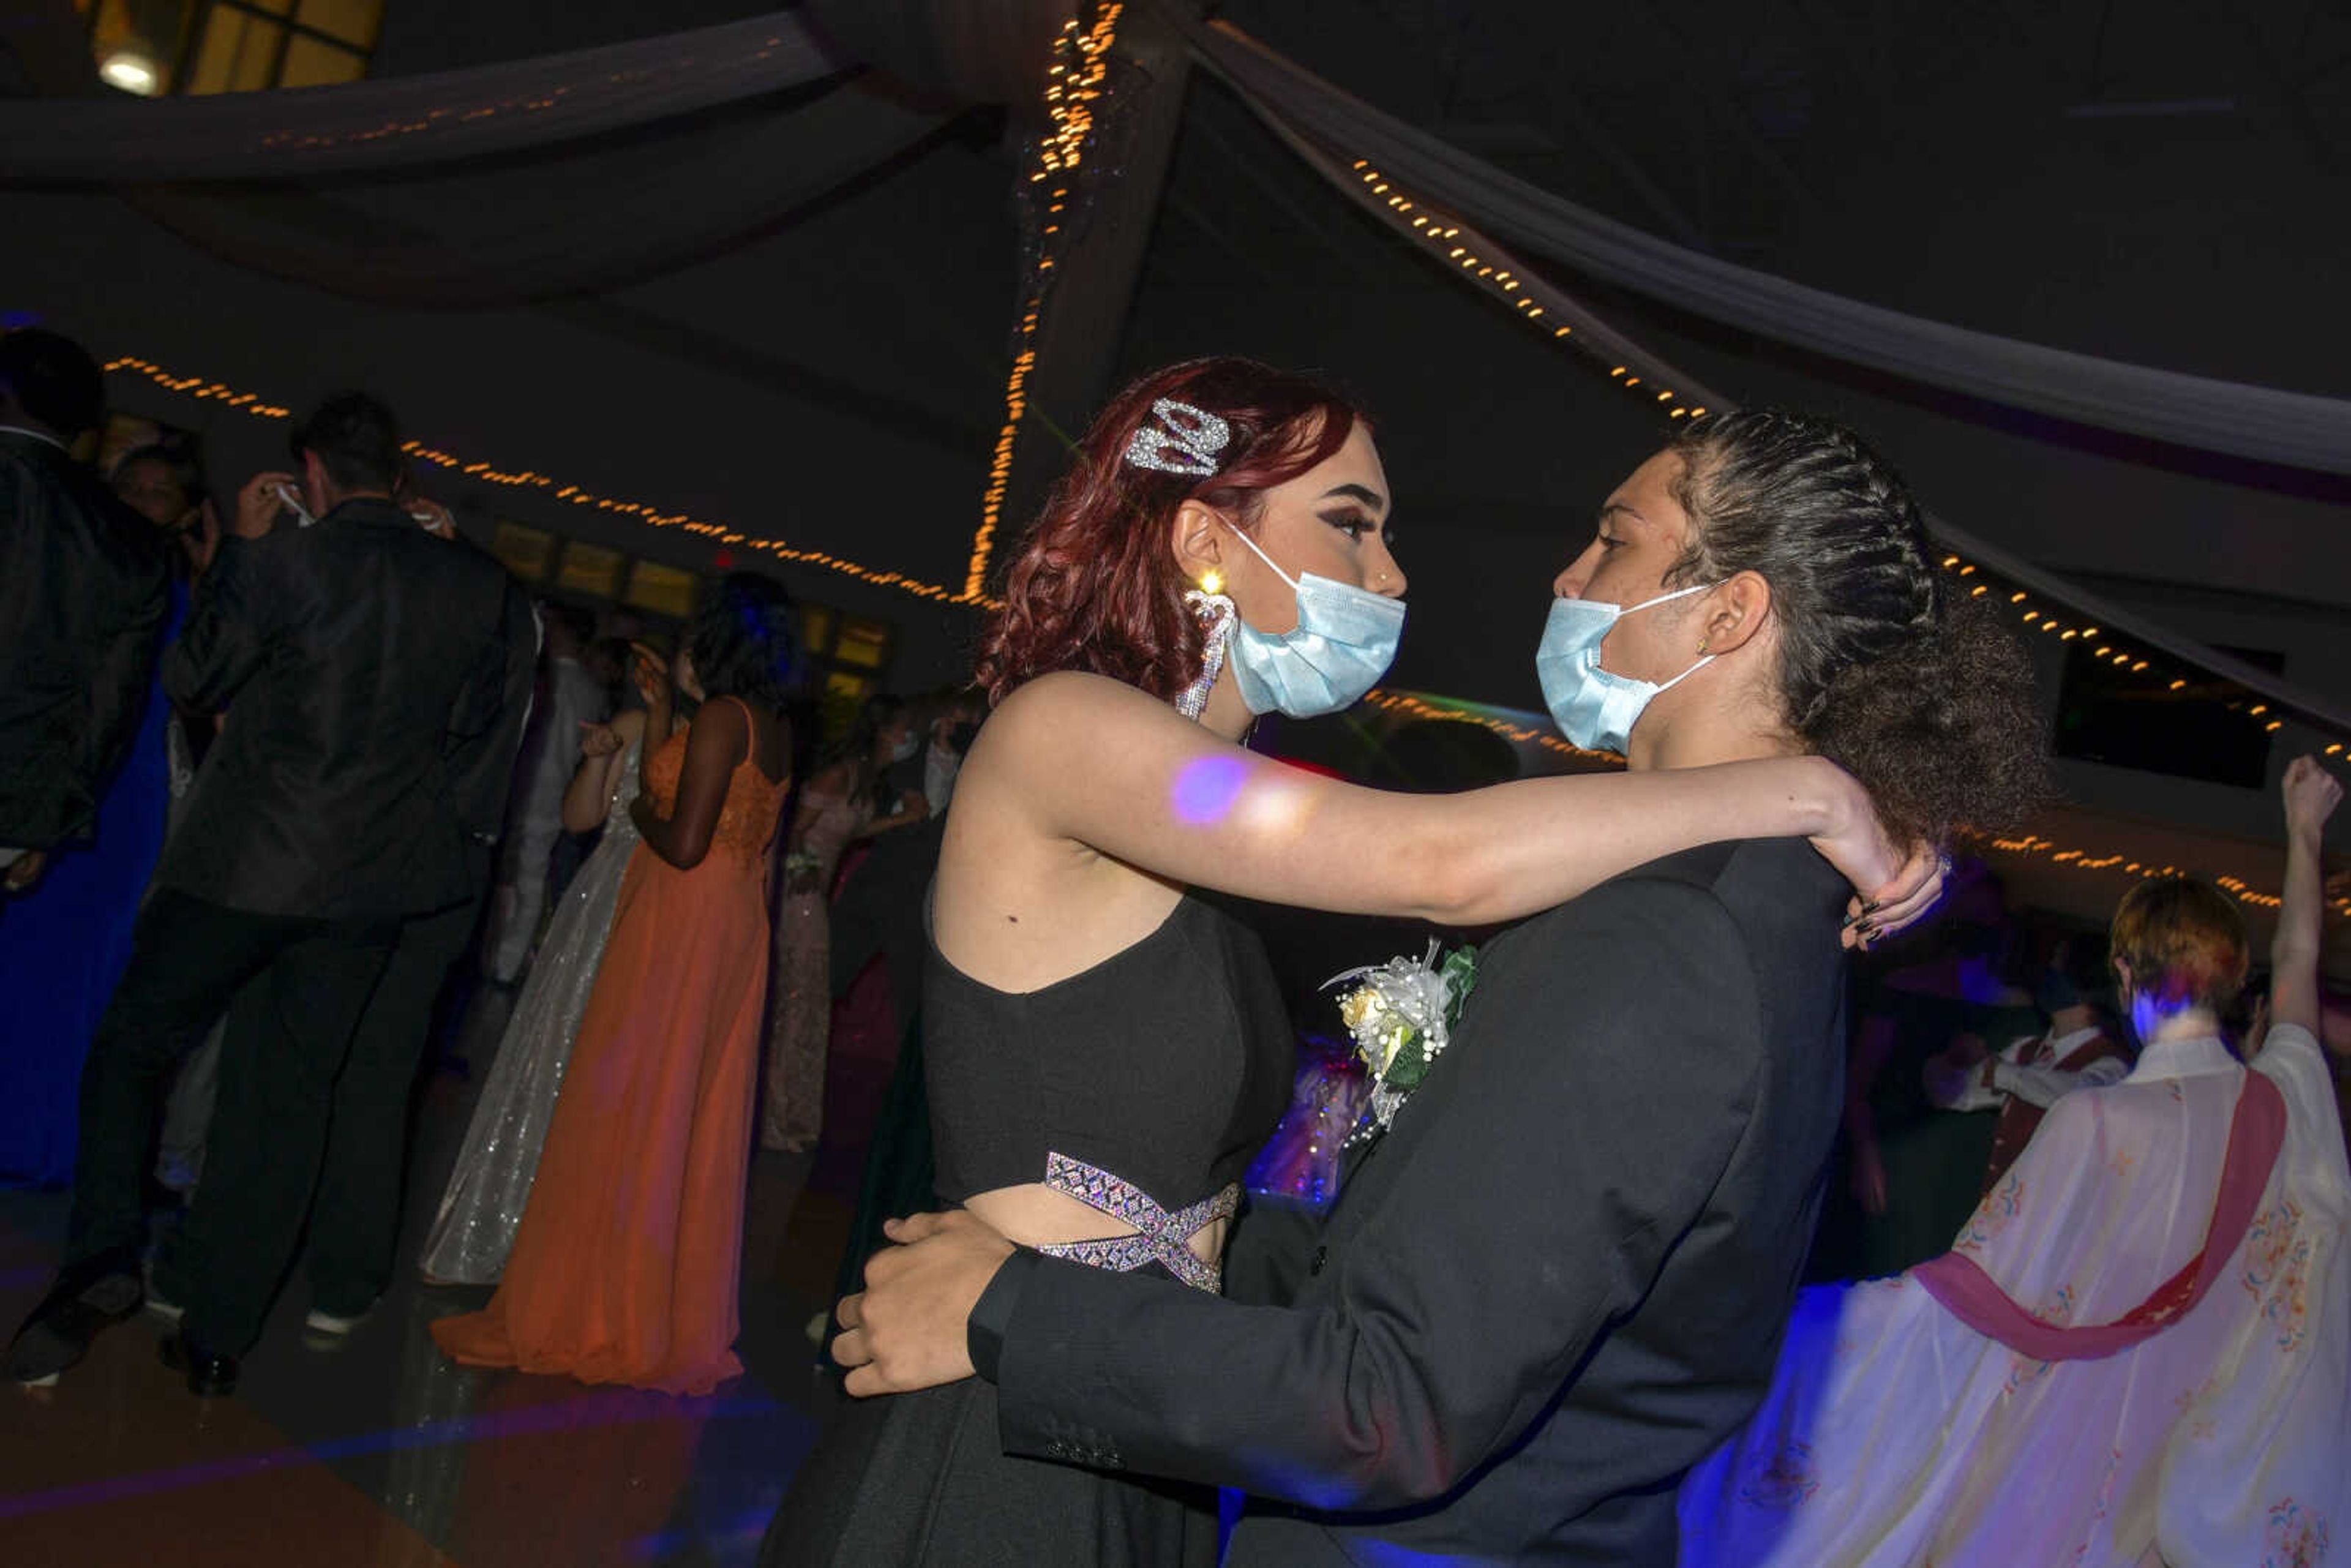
[(1185, 439)]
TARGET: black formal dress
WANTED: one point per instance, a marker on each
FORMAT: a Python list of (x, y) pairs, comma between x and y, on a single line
[(1141, 1086), (376, 677), (1555, 1284), (84, 591)]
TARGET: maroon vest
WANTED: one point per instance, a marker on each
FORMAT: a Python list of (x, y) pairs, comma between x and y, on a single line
[(2019, 1117)]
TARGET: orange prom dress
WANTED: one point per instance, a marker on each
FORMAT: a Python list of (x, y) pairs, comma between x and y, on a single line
[(627, 1264)]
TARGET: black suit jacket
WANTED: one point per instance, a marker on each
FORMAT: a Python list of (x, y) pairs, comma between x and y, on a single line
[(378, 678), (1556, 1283), (84, 591)]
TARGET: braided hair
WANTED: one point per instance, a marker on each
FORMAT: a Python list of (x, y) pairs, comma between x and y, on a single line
[(1923, 696)]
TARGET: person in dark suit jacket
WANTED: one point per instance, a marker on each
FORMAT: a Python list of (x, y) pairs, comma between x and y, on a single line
[(83, 594), (371, 667), (1561, 1276)]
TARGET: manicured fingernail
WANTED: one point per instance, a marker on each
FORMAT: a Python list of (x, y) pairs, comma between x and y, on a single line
[(1852, 920)]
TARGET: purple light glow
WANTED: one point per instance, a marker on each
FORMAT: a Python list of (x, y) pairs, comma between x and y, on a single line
[(604, 1409), (1204, 792)]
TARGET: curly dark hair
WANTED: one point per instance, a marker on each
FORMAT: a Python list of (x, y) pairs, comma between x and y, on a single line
[(1096, 586), (1924, 698), (743, 640)]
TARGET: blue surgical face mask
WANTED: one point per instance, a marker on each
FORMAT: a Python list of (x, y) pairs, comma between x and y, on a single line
[(1594, 708), (1344, 641)]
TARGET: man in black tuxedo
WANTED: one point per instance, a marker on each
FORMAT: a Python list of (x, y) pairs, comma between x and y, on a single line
[(374, 671), (1561, 1276), (83, 596)]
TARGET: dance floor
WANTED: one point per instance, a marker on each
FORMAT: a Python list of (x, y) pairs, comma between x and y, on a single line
[(380, 1454)]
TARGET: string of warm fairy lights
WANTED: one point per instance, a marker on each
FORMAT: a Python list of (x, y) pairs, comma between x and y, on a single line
[(1476, 259), (573, 495), (2115, 861), (1442, 236), (1412, 707), (1074, 83), (2077, 859), (2106, 648), (1472, 255)]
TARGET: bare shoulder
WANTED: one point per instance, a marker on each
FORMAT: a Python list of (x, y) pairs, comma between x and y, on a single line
[(629, 724), (1063, 694), (1058, 718), (719, 720)]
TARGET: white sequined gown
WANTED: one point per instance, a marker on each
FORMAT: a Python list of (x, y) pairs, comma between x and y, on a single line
[(491, 1182)]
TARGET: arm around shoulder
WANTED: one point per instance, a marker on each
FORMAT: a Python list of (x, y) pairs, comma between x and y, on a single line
[(1597, 1090), (1090, 759), (227, 629)]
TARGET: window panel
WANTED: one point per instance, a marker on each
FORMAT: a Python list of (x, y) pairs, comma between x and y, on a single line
[(864, 643), (239, 54), (663, 589), (816, 629), (592, 570), (527, 552), (353, 21), (309, 63)]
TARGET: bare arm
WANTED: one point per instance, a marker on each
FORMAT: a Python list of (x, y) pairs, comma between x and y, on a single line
[(716, 744), (2310, 797), (911, 808), (603, 751), (1088, 760)]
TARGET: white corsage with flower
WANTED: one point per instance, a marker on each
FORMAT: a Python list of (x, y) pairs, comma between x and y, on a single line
[(1401, 1015)]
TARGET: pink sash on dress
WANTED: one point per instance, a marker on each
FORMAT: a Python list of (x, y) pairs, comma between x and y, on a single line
[(2256, 1133)]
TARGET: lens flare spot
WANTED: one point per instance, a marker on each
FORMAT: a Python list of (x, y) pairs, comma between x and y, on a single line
[(1207, 790)]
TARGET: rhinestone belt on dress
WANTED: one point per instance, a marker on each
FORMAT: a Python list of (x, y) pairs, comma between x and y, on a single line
[(1159, 1237)]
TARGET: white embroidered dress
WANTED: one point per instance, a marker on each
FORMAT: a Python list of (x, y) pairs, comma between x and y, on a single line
[(1895, 1435)]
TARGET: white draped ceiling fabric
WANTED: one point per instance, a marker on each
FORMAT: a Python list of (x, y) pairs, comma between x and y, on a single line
[(707, 83), (2294, 429), (1593, 336)]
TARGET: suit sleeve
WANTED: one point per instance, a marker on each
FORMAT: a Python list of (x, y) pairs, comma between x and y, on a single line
[(487, 722), (125, 670), (227, 634), (1602, 1076)]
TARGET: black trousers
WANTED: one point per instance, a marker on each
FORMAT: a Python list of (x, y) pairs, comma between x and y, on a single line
[(355, 1222), (227, 1260), (300, 985)]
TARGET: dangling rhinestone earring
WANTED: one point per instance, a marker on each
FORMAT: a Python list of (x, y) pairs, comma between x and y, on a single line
[(1217, 614)]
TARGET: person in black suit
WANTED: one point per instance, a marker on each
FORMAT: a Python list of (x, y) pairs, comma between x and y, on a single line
[(1561, 1276), (373, 669), (83, 596)]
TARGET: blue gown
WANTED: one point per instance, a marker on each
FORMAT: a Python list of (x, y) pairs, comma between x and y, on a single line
[(63, 948)]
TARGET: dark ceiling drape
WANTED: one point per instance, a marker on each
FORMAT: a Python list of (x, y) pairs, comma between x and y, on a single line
[(2198, 412), (439, 117), (1593, 337), (495, 185)]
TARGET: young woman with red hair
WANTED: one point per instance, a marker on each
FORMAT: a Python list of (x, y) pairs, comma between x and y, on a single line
[(1105, 1052)]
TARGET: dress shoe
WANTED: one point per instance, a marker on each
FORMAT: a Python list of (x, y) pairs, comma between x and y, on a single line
[(209, 1375), (61, 1328)]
